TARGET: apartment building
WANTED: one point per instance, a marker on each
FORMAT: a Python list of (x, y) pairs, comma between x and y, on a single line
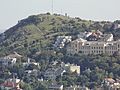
[(104, 45)]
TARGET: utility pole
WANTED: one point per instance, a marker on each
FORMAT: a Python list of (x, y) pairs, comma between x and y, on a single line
[(61, 12), (52, 7)]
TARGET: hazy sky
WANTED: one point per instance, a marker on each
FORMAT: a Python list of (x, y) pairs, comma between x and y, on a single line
[(13, 10)]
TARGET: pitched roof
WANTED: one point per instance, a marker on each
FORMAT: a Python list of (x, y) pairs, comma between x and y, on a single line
[(9, 84), (14, 55)]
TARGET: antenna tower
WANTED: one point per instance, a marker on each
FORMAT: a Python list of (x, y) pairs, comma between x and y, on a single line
[(52, 7)]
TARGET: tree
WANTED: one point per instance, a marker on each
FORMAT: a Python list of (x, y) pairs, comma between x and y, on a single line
[(26, 86), (41, 87)]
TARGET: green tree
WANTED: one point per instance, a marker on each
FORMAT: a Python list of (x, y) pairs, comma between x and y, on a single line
[(26, 86)]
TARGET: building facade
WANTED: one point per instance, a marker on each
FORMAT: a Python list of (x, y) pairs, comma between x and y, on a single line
[(93, 47), (110, 84)]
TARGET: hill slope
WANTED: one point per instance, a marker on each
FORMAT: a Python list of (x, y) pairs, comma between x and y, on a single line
[(39, 31)]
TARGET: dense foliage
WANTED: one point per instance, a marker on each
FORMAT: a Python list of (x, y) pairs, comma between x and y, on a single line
[(38, 32), (34, 37)]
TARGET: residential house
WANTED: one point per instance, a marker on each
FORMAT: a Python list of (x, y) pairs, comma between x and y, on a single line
[(62, 41), (13, 55), (33, 72), (11, 84), (110, 84), (55, 87), (76, 88), (75, 68), (71, 67), (9, 59), (30, 62), (52, 73)]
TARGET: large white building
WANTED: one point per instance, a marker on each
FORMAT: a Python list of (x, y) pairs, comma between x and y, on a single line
[(62, 41), (85, 47)]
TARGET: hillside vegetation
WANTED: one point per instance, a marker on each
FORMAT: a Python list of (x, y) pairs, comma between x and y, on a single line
[(38, 32), (34, 37)]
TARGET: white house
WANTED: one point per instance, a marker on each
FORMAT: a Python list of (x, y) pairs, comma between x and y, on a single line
[(52, 73), (7, 61), (55, 87)]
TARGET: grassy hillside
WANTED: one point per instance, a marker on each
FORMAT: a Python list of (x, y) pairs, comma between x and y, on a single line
[(38, 32)]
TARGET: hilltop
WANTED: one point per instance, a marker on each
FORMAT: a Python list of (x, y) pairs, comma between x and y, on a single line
[(38, 32), (35, 49)]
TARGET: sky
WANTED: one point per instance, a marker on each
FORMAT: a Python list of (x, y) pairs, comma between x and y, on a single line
[(11, 11)]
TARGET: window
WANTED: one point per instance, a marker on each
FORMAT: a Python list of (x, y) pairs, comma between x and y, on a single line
[(118, 45), (75, 45), (75, 49)]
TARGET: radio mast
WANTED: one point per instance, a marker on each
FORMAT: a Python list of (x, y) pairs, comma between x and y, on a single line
[(52, 7)]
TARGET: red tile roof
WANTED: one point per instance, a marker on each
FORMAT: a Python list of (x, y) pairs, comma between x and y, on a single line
[(9, 84)]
